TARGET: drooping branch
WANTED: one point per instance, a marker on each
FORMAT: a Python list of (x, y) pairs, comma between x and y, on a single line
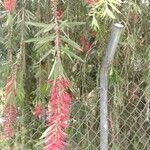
[(54, 4), (59, 103), (22, 35)]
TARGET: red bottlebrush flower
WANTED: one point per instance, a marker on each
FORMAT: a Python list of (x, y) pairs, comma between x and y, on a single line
[(38, 111), (87, 47), (60, 14), (89, 2), (10, 86), (58, 119), (10, 111), (10, 116), (8, 131), (9, 5), (93, 34), (85, 44), (82, 40)]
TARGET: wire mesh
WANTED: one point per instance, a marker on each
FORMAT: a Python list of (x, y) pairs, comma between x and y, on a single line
[(129, 125)]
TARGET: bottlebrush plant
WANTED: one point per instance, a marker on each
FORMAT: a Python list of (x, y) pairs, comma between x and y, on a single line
[(9, 5), (60, 14), (58, 115), (39, 111), (86, 42), (10, 87), (10, 116), (91, 1), (59, 103), (83, 43), (10, 111)]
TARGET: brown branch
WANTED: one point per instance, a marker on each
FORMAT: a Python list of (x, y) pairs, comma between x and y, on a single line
[(56, 29)]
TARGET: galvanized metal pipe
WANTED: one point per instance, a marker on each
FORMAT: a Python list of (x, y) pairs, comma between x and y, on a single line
[(110, 51)]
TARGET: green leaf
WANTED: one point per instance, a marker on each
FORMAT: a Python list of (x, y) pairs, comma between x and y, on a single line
[(46, 39), (117, 2), (9, 20), (49, 27), (52, 70), (71, 54), (114, 8), (95, 23), (70, 24), (46, 29), (39, 32), (36, 24), (71, 43), (1, 40), (41, 40), (109, 13), (44, 57), (32, 40)]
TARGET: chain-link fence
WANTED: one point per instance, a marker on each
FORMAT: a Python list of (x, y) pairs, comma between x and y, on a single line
[(129, 126)]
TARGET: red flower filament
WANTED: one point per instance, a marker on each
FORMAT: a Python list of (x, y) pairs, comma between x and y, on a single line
[(93, 34), (58, 119), (10, 111), (10, 116), (38, 111), (9, 5), (60, 14), (85, 44), (89, 2), (10, 87)]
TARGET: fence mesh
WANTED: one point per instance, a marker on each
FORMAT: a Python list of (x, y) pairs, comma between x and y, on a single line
[(129, 126)]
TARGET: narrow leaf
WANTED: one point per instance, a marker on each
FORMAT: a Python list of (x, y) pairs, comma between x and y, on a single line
[(36, 24), (70, 24), (44, 57), (46, 39), (69, 53), (32, 40), (52, 70), (114, 8), (71, 43), (109, 13), (47, 131), (49, 27)]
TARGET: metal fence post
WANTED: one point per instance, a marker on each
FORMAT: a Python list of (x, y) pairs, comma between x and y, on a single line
[(110, 51)]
